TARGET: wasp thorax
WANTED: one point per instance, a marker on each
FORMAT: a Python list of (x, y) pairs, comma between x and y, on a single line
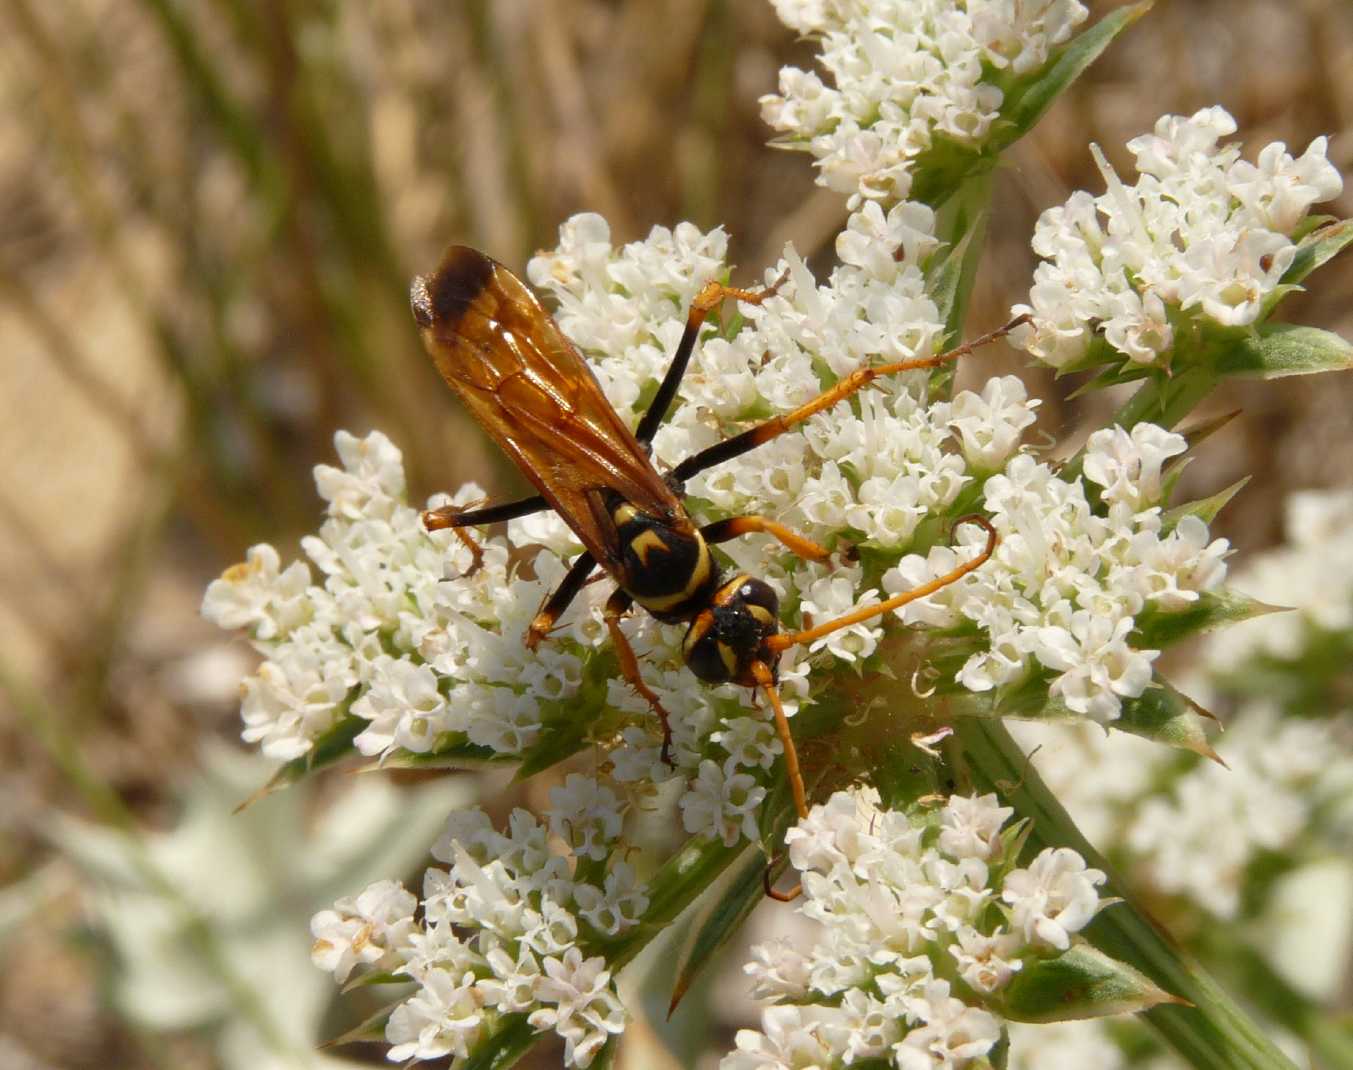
[(724, 640)]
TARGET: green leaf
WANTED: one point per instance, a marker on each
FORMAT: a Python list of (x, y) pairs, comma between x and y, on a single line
[(332, 747), (467, 756), (512, 1039), (1163, 715), (560, 738), (1157, 628), (1281, 349), (369, 1030), (1317, 248), (1205, 509), (961, 221), (1081, 982), (717, 921), (1026, 102)]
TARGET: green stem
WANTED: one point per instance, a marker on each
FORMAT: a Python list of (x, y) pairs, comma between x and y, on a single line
[(1214, 1033), (1162, 399), (1331, 1044)]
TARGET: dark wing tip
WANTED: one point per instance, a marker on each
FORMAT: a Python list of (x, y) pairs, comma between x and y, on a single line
[(443, 296)]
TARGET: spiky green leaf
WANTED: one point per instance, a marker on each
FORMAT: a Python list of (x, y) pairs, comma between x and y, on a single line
[(1028, 100), (1205, 509), (1277, 350), (332, 747), (1317, 248), (1163, 715), (1214, 609), (1081, 982), (718, 920)]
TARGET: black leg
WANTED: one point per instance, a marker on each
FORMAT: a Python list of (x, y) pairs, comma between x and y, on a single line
[(706, 301), (456, 516), (553, 607)]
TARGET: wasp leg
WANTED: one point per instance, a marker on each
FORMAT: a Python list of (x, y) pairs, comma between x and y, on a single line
[(457, 518), (706, 301), (616, 607), (723, 530), (851, 384), (554, 605), (765, 679), (782, 640)]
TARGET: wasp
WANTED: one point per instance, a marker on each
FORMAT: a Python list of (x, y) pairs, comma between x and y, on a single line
[(531, 390)]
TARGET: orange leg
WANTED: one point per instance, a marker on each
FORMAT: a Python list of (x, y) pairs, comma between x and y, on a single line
[(782, 641), (723, 530), (851, 384), (554, 605), (616, 607), (766, 681)]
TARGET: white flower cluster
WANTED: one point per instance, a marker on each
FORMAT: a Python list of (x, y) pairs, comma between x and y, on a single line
[(503, 931), (905, 74), (1067, 582), (397, 634), (1202, 232), (428, 657), (901, 906)]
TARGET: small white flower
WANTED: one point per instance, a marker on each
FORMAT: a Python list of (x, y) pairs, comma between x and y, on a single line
[(586, 1011), (445, 1017), (258, 595), (951, 1033), (1054, 898), (970, 826), (1098, 667), (368, 930), (790, 1038), (720, 805), (986, 963), (1128, 464), (750, 743), (586, 814)]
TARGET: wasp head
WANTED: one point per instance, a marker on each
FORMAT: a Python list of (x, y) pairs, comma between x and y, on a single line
[(725, 640)]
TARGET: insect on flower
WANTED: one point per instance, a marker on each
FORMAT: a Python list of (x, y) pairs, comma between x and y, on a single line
[(532, 391)]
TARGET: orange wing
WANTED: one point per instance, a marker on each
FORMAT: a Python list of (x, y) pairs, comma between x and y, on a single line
[(531, 390)]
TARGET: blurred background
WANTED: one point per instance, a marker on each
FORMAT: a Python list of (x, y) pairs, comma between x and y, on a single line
[(209, 215)]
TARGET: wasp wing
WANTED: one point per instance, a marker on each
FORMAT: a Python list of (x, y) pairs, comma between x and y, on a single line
[(531, 390)]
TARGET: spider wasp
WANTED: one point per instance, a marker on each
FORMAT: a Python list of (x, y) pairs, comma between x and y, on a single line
[(531, 390)]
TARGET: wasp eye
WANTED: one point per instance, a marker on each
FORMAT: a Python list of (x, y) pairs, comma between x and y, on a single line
[(710, 657), (759, 594)]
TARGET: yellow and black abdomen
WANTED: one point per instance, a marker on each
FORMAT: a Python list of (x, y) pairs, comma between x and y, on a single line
[(669, 572)]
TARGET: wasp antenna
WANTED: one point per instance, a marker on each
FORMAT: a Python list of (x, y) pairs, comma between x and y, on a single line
[(993, 537), (766, 681)]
